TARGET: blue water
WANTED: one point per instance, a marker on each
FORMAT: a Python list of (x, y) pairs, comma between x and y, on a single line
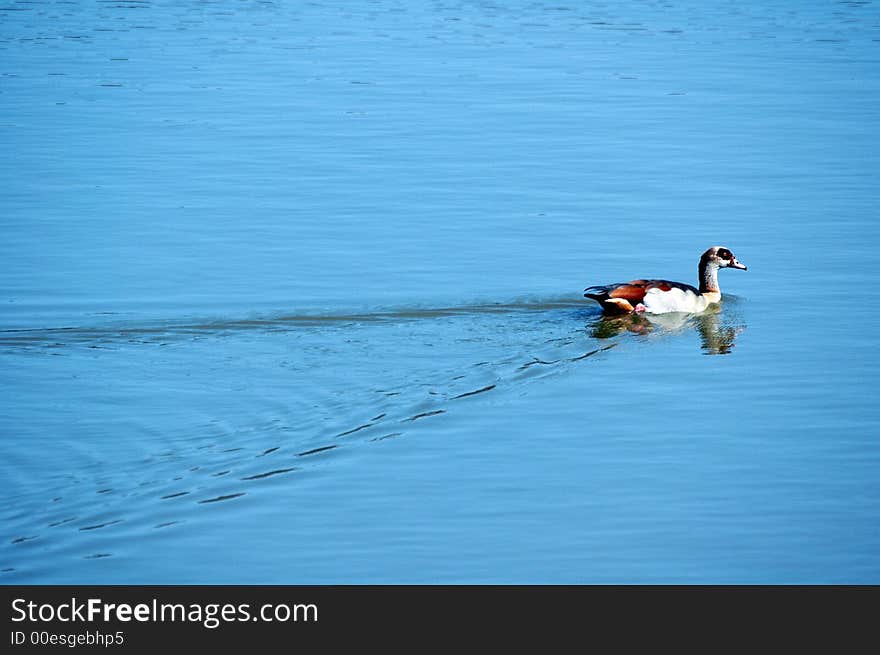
[(291, 292)]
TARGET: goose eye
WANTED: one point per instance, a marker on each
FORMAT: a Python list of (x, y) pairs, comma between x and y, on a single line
[(725, 254)]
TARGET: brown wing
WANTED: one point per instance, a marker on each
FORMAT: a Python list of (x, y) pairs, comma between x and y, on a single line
[(633, 292)]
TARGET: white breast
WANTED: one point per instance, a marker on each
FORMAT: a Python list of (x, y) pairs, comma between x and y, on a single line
[(675, 300)]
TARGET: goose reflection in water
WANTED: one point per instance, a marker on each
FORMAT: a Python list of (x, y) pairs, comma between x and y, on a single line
[(717, 336)]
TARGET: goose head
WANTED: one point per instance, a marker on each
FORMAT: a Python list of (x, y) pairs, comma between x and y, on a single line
[(721, 257)]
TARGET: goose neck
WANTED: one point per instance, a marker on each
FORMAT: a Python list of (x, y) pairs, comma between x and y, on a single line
[(709, 277)]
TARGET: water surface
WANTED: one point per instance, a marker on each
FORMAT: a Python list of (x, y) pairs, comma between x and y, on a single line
[(292, 293)]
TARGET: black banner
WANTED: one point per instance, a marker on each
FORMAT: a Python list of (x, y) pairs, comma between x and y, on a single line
[(151, 617)]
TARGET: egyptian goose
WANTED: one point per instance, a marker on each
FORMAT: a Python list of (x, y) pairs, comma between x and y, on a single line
[(662, 296)]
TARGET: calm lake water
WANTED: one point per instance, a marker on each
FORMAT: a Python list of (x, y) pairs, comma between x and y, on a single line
[(291, 292)]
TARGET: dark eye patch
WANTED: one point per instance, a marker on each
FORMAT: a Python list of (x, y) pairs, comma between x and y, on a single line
[(724, 253)]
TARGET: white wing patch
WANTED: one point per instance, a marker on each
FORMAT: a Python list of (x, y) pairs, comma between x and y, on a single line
[(675, 300)]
